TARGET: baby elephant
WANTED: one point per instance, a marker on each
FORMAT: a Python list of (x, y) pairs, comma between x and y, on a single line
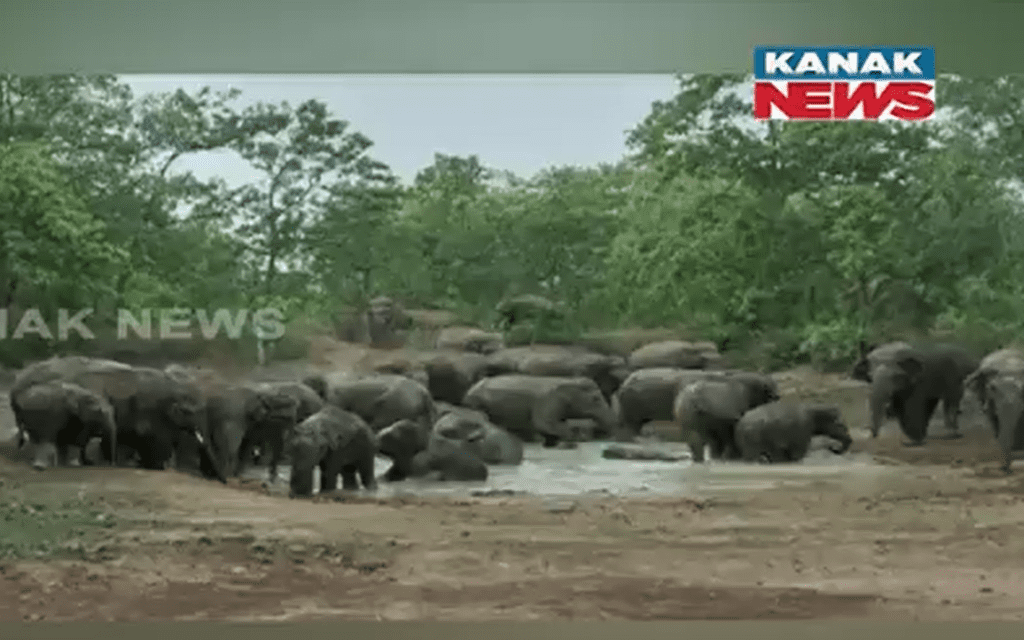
[(781, 431), (58, 415), (336, 441), (432, 456)]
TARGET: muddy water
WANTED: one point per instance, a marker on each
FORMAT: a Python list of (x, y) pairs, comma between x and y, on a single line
[(556, 472)]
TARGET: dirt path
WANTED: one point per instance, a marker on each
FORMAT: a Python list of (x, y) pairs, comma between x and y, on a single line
[(936, 536)]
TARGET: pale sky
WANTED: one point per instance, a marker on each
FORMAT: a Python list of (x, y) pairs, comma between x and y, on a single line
[(520, 123)]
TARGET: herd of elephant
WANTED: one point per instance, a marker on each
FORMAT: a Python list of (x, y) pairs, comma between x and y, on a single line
[(449, 413)]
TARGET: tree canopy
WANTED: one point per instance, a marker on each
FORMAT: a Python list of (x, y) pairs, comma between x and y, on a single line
[(806, 237)]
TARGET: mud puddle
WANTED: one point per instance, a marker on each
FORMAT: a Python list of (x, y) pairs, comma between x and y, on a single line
[(580, 471)]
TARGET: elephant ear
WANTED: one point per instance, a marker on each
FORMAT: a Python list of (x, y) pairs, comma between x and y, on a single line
[(912, 366), (976, 383)]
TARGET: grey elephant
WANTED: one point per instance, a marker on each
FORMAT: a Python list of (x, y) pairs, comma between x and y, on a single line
[(527, 308), (338, 443), (608, 371), (676, 354), (539, 406), (51, 369), (412, 368), (450, 374), (648, 395), (268, 429), (58, 415), (707, 411), (488, 441), (241, 414), (435, 457), (386, 319), (781, 431), (321, 382), (384, 399), (998, 383), (156, 413), (912, 379), (469, 339), (379, 324)]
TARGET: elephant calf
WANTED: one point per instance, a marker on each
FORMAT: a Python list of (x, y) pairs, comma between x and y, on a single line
[(58, 415), (707, 411), (781, 431), (489, 442), (430, 456), (339, 443), (998, 384)]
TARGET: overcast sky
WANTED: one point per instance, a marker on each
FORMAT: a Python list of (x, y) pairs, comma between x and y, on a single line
[(516, 123)]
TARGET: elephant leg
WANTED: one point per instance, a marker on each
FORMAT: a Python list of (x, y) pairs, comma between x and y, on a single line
[(550, 441), (366, 474), (63, 454), (349, 482), (396, 473), (329, 472), (696, 442), (276, 445), (951, 410), (1006, 438)]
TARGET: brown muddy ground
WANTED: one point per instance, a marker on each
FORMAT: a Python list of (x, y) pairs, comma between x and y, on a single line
[(934, 534)]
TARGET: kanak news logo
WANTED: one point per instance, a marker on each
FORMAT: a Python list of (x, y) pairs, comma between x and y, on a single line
[(844, 83)]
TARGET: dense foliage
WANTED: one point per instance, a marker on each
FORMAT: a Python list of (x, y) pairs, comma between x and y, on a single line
[(802, 238)]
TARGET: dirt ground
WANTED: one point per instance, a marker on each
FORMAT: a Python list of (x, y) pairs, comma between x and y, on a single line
[(936, 536)]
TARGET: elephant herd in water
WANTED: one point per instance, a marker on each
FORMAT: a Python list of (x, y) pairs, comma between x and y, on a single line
[(450, 413)]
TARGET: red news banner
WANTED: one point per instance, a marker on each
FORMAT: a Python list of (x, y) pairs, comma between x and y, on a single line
[(844, 83)]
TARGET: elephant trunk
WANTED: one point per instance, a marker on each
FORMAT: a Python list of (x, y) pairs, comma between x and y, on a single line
[(845, 442), (881, 395)]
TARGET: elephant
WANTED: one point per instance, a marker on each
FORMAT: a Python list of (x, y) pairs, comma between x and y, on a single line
[(531, 406), (381, 400), (412, 368), (385, 320), (469, 339), (58, 415), (998, 383), (527, 307), (608, 371), (781, 431), (339, 443), (241, 415), (488, 441), (379, 325), (435, 458), (560, 361), (268, 435), (156, 413), (707, 410), (648, 394), (55, 368), (912, 379), (450, 374), (321, 382), (675, 354)]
